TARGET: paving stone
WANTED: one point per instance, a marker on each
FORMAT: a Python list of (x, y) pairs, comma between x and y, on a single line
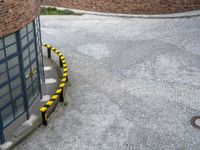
[(138, 89)]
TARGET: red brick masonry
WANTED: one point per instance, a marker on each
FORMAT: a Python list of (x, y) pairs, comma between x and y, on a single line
[(15, 14), (129, 6)]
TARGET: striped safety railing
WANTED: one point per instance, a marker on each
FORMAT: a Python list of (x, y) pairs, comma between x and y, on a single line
[(58, 95)]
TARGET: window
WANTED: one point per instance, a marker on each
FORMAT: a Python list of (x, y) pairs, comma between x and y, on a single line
[(4, 95), (30, 95), (3, 90), (13, 62), (26, 62), (3, 73), (36, 88), (10, 39), (16, 88), (32, 47), (24, 41), (19, 106), (23, 32), (11, 49), (1, 44), (7, 115), (14, 71), (5, 99), (3, 78), (15, 83), (16, 92), (30, 27), (32, 56), (2, 54), (28, 82), (3, 68), (25, 53), (31, 36), (13, 68)]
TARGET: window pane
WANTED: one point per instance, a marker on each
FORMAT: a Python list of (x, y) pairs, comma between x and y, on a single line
[(31, 36), (28, 78), (3, 78), (3, 90), (2, 68), (35, 76), (24, 41), (32, 47), (1, 43), (14, 71), (2, 54), (20, 106), (36, 88), (25, 53), (13, 62), (16, 87), (11, 49), (36, 28), (28, 82), (7, 115), (30, 95), (26, 62), (15, 83), (23, 32), (10, 39), (32, 56), (28, 70), (16, 92), (30, 27), (33, 66), (5, 100)]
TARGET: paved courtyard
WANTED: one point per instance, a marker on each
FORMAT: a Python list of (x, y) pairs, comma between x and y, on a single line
[(135, 84)]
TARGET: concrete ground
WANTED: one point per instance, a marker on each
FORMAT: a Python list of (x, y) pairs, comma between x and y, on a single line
[(135, 84)]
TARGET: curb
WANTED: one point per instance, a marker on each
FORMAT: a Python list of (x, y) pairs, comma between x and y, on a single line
[(15, 141), (188, 14)]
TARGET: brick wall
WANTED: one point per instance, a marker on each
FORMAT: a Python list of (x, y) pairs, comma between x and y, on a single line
[(15, 14), (129, 6)]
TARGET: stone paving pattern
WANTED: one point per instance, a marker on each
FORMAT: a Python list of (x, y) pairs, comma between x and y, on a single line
[(135, 84)]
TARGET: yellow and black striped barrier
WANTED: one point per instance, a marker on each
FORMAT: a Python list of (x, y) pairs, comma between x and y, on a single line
[(58, 95)]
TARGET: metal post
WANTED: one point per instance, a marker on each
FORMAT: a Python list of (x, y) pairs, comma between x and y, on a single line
[(67, 79), (49, 52), (44, 115), (44, 118), (37, 60), (59, 92), (23, 79), (41, 48), (61, 96), (2, 137), (61, 64)]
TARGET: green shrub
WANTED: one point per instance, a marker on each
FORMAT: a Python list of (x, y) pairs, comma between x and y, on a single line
[(54, 11)]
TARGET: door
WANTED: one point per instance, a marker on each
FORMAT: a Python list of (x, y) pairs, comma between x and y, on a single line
[(30, 64)]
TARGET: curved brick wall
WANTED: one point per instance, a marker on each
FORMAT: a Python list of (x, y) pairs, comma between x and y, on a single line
[(15, 14), (129, 6)]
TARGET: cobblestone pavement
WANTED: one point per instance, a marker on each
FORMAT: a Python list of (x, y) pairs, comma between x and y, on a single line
[(135, 84)]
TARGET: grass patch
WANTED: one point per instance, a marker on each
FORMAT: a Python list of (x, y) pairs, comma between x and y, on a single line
[(54, 11)]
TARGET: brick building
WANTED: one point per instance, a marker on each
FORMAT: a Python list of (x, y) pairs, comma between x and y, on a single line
[(21, 64), (129, 6)]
